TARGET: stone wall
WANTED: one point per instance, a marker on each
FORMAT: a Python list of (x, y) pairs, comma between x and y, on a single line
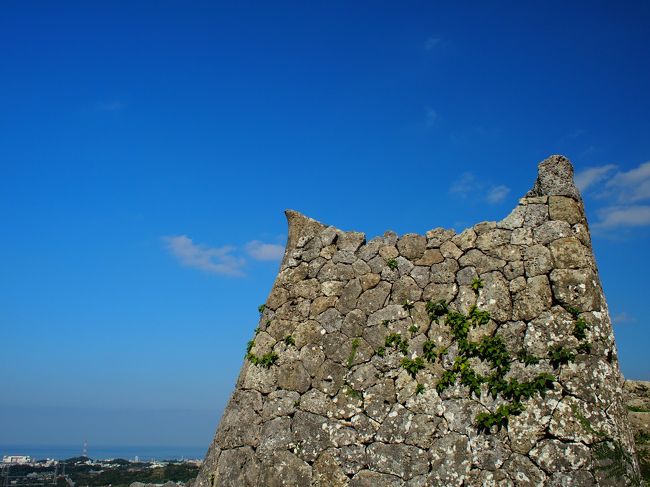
[(480, 358), (637, 395)]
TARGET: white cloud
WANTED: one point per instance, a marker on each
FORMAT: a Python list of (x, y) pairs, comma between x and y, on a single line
[(622, 317), (464, 185), (497, 193), (624, 194), (621, 186), (623, 216), (468, 184), (431, 43), (631, 186), (592, 175), (264, 251), (216, 260)]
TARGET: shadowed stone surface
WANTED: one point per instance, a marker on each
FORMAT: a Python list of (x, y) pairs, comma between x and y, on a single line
[(336, 406), (637, 394)]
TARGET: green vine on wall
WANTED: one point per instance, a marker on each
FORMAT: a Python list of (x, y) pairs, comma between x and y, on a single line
[(395, 340), (490, 349), (615, 461), (270, 358), (265, 360)]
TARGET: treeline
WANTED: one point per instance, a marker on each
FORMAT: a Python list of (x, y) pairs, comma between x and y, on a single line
[(123, 476)]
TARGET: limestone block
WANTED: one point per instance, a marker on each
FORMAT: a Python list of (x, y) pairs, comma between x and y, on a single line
[(565, 209), (412, 246)]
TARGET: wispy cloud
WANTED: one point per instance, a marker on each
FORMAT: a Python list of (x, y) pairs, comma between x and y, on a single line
[(623, 216), (625, 194), (431, 43), (592, 175), (497, 193), (264, 251), (622, 317), (464, 185), (111, 106), (631, 186), (216, 260), (225, 260), (468, 184)]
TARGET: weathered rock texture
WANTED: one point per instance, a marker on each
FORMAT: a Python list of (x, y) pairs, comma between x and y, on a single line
[(480, 358), (637, 393)]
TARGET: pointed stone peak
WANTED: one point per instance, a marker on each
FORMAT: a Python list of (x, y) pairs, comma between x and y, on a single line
[(555, 177), (300, 226)]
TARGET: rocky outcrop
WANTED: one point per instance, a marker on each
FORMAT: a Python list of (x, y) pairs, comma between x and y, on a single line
[(480, 358), (637, 395)]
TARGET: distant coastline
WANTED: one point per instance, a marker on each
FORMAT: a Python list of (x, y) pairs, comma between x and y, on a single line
[(144, 453)]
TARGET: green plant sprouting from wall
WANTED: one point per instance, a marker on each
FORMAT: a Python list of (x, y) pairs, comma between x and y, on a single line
[(352, 392), (353, 352), (265, 360), (490, 349), (526, 358), (614, 459), (392, 264), (559, 355), (477, 284), (617, 462), (395, 340), (412, 366), (269, 358)]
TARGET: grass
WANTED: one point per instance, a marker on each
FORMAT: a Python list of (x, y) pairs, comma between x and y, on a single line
[(265, 360), (353, 352)]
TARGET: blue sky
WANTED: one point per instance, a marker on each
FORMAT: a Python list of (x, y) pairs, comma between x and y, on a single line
[(149, 149)]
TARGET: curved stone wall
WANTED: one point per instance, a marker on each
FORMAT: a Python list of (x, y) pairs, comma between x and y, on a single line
[(480, 358)]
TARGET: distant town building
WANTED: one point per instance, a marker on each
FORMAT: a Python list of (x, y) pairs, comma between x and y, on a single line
[(17, 459)]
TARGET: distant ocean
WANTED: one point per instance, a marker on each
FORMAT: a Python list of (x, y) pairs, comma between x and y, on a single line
[(144, 453)]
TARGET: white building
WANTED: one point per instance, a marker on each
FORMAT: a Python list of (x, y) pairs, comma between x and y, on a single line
[(17, 459)]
